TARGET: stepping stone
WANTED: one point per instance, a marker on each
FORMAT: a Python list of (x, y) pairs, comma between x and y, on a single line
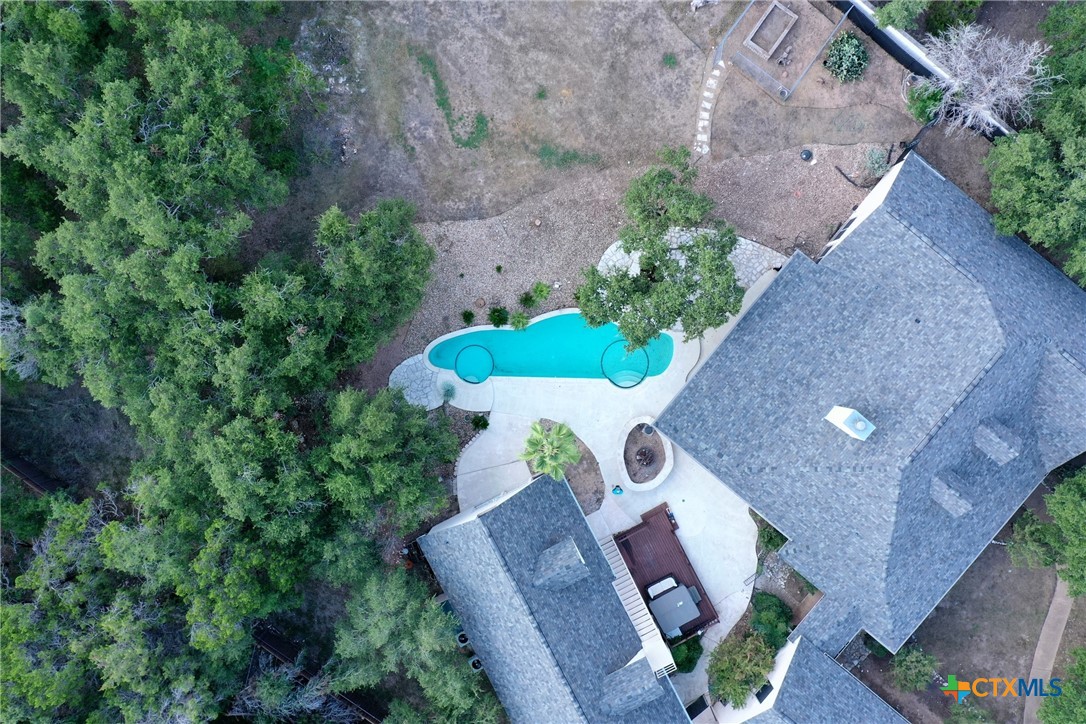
[(716, 72), (707, 94), (706, 104), (702, 137), (704, 115)]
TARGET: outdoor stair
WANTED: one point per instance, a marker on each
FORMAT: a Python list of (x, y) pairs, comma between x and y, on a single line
[(634, 603)]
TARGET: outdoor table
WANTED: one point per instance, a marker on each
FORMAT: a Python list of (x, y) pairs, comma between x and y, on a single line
[(673, 609)]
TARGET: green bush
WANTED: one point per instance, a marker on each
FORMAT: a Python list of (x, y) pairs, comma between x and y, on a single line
[(541, 291), (519, 321), (498, 268), (739, 665), (468, 316), (945, 15), (875, 647), (901, 14), (912, 669), (527, 300), (968, 712), (670, 61), (541, 94), (448, 391), (687, 654), (847, 58), (772, 618), (498, 316), (923, 103), (770, 539), (479, 422)]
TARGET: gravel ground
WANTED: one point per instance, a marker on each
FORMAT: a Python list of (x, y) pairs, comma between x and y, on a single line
[(775, 199)]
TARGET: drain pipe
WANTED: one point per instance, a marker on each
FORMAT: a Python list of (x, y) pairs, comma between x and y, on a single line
[(904, 49)]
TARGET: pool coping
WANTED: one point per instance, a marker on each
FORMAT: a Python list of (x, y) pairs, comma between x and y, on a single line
[(676, 339)]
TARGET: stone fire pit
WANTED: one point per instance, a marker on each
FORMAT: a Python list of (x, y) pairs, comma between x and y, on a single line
[(646, 455)]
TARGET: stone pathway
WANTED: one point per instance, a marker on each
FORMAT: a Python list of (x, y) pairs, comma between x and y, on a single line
[(1044, 656), (709, 91), (418, 382), (751, 259)]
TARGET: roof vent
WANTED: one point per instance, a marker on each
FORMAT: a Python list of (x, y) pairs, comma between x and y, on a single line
[(997, 441), (851, 422), (560, 565), (947, 490)]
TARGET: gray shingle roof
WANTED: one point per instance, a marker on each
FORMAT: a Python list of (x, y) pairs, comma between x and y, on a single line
[(932, 326), (551, 650), (816, 690)]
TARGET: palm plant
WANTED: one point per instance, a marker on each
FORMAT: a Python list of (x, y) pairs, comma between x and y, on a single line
[(550, 452)]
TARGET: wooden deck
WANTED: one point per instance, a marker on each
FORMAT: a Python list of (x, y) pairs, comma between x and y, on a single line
[(653, 552)]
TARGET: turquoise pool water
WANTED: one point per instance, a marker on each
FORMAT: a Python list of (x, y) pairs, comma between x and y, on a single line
[(559, 346)]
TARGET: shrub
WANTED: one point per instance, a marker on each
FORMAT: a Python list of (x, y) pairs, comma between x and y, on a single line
[(670, 61), (687, 654), (772, 618), (912, 669), (468, 316), (770, 539), (498, 316), (877, 165), (924, 102), (968, 712), (519, 321), (846, 58), (479, 422), (498, 268), (448, 391), (944, 15), (541, 94), (541, 291), (738, 666), (875, 647), (527, 300), (901, 14)]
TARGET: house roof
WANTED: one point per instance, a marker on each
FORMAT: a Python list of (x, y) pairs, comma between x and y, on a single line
[(963, 348), (534, 592), (816, 690)]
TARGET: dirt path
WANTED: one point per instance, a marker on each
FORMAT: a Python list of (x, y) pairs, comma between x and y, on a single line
[(1047, 645)]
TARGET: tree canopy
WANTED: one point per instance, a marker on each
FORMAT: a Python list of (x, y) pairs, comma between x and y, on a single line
[(684, 277), (738, 665), (1061, 542), (150, 134), (1039, 175)]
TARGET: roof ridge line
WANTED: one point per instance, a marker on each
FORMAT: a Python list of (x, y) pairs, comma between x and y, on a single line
[(535, 623)]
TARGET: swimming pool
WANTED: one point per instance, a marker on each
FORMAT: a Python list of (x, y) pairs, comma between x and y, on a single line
[(562, 345)]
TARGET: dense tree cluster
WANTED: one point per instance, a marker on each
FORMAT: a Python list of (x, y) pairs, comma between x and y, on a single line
[(1039, 174), (689, 282), (149, 134), (1061, 542)]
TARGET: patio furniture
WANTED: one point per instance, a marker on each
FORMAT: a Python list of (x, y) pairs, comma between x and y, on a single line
[(661, 586), (694, 593), (673, 609)]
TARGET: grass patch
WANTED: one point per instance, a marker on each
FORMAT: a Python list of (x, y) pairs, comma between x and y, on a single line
[(670, 61), (556, 157), (541, 94), (687, 654), (480, 128)]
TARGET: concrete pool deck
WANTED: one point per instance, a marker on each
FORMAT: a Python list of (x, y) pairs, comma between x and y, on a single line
[(715, 527)]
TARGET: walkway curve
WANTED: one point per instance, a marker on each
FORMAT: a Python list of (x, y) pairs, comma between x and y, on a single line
[(1044, 656)]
